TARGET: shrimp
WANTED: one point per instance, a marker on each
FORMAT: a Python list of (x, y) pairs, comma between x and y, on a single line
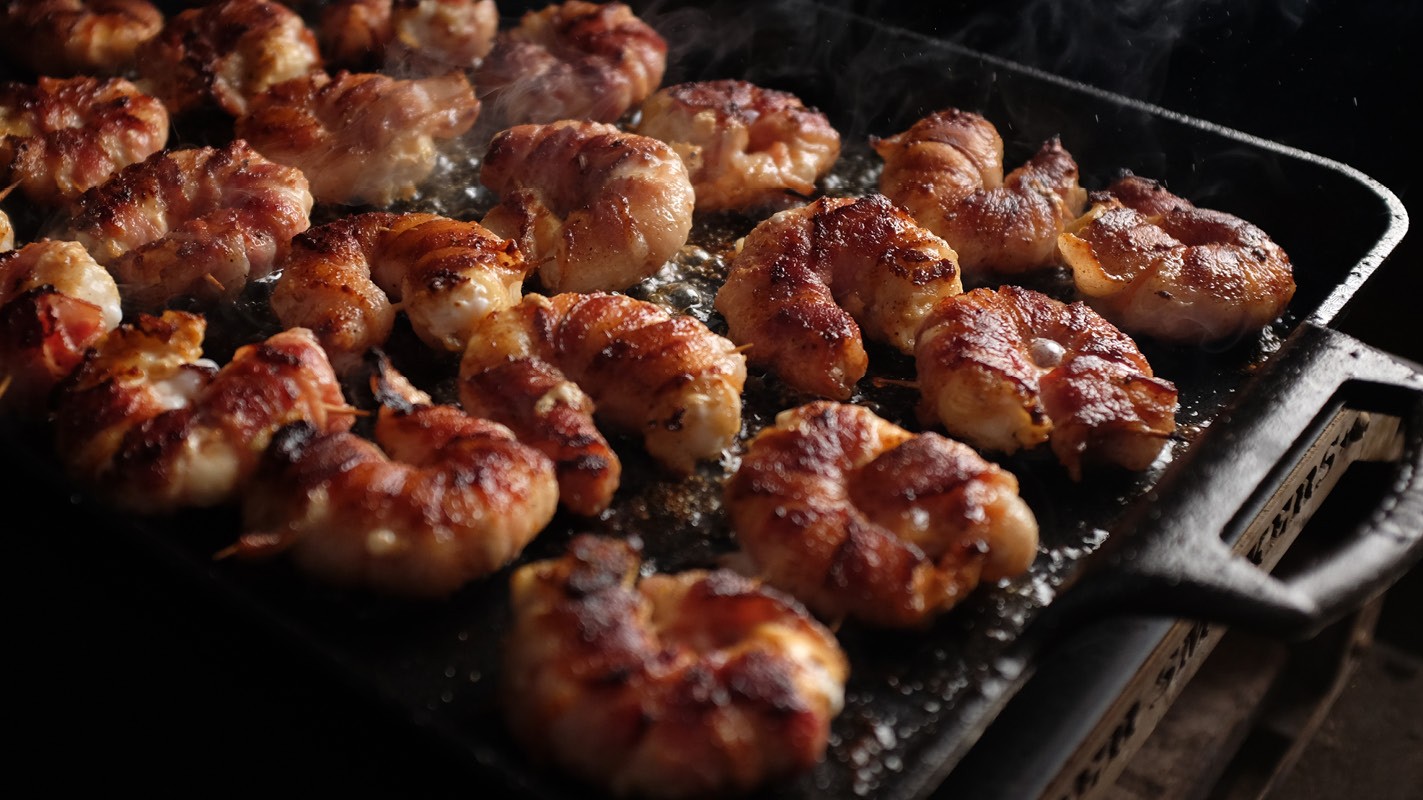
[(744, 145), (574, 60), (698, 684), (428, 35), (77, 37), (1013, 368), (340, 279), (1157, 265), (858, 517), (947, 169), (439, 499), (359, 138), (55, 302), (152, 427), (805, 280), (61, 138), (648, 372), (226, 53), (592, 207), (191, 223)]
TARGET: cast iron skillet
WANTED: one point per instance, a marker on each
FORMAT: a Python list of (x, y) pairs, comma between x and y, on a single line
[(918, 701)]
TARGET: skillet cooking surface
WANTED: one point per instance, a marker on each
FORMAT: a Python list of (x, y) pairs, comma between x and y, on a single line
[(438, 662)]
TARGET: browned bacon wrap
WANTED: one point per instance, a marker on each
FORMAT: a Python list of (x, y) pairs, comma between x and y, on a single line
[(152, 428), (696, 684), (1013, 368), (73, 37), (59, 138), (192, 223), (858, 517), (947, 169), (1158, 265), (744, 145), (576, 60), (225, 53), (806, 280)]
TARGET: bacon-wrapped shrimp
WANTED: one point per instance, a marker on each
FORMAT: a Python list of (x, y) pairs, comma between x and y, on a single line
[(697, 684), (592, 207), (152, 427), (77, 37), (59, 138), (744, 145), (192, 223), (806, 280), (1157, 265), (359, 138), (858, 517), (648, 372), (340, 280), (424, 35), (574, 60), (947, 169), (1013, 368), (225, 53), (55, 302), (439, 499)]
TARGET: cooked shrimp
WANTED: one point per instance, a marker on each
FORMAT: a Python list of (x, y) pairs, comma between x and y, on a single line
[(575, 60), (1157, 265), (439, 499), (55, 302), (226, 53), (153, 427), (947, 169), (696, 684), (804, 278), (858, 517), (192, 223), (60, 138), (592, 207), (744, 145), (74, 37), (359, 138), (424, 35), (1014, 368), (341, 278), (648, 372)]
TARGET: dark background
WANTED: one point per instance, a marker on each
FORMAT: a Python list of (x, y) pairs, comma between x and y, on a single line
[(124, 675)]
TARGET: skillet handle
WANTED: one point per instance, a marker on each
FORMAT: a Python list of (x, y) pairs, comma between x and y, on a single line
[(1263, 477)]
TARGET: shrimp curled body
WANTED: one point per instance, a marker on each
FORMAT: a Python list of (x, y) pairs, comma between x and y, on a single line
[(359, 138), (1157, 265), (697, 684), (77, 37), (575, 60), (153, 427), (857, 516), (648, 372), (1014, 368), (594, 208), (341, 278), (805, 281), (60, 138), (192, 223), (225, 53), (55, 302), (439, 499), (947, 169), (744, 145)]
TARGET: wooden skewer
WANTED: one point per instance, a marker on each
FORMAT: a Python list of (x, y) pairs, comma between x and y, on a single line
[(883, 382), (742, 348), (352, 410), (5, 384), (215, 282)]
